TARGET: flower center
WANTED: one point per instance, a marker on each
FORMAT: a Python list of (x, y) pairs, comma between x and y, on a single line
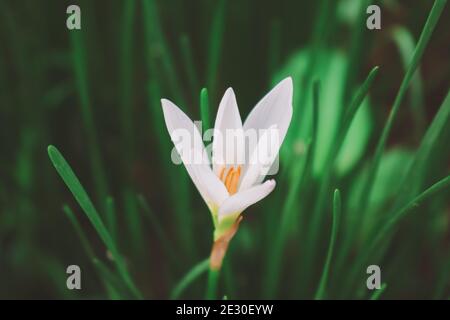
[(230, 179)]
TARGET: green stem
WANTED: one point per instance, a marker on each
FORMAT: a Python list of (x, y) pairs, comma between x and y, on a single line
[(204, 109), (213, 280)]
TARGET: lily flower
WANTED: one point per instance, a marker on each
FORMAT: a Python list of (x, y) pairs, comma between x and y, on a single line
[(232, 183)]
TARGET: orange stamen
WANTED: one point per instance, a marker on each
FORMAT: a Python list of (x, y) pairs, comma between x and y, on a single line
[(228, 178), (231, 179), (222, 171)]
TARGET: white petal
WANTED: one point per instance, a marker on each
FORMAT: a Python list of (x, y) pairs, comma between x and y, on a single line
[(271, 108), (210, 187), (190, 147), (178, 123), (228, 143), (261, 160), (274, 110), (242, 200)]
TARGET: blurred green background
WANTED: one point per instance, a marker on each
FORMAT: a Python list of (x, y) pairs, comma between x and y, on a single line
[(95, 95)]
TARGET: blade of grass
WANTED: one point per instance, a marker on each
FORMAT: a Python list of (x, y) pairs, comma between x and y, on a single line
[(111, 218), (320, 293), (357, 48), (103, 272), (189, 278), (376, 295), (204, 109), (329, 165), (160, 49), (113, 286), (396, 216), (413, 179), (430, 24), (405, 43), (84, 241), (215, 46), (382, 233), (77, 190), (425, 36), (347, 121)]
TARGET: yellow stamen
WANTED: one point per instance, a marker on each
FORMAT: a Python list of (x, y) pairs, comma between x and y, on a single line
[(228, 178), (231, 179), (222, 171)]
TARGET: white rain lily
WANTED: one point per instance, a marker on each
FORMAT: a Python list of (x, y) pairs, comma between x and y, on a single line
[(229, 187)]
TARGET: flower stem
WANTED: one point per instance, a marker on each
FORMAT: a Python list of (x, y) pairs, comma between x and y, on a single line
[(213, 280), (218, 251)]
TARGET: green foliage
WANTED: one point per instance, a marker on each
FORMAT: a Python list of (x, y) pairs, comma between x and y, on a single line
[(363, 169)]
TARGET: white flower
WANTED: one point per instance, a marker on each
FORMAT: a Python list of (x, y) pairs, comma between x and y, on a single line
[(229, 187)]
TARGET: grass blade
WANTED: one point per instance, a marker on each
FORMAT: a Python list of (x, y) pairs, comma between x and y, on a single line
[(76, 225), (320, 294), (381, 234), (111, 217), (77, 190), (215, 46), (415, 175), (376, 295), (161, 49), (110, 281), (327, 177), (396, 216), (190, 277), (430, 24), (204, 109), (405, 43)]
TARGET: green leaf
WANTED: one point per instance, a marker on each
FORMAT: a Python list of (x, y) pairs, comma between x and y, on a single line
[(74, 185), (334, 229), (406, 45), (204, 109), (425, 36)]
